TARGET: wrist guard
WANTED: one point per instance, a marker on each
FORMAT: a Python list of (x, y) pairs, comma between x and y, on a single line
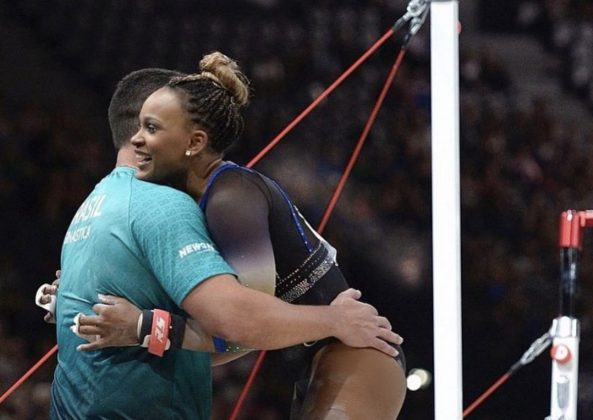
[(160, 331)]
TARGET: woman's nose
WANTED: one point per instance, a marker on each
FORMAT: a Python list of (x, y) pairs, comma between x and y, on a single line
[(137, 139)]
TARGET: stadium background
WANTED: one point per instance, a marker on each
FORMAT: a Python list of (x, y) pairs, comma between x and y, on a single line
[(526, 97)]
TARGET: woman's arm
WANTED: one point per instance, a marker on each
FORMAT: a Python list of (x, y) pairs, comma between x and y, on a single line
[(117, 324), (237, 214)]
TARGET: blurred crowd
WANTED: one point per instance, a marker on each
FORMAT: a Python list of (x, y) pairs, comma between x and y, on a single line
[(521, 165), (566, 28)]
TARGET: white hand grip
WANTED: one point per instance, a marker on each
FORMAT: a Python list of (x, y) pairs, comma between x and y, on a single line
[(51, 305)]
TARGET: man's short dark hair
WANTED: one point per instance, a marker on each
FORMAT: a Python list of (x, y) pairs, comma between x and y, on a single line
[(127, 100)]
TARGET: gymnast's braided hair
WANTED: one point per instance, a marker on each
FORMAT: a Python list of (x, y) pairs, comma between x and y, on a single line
[(214, 98)]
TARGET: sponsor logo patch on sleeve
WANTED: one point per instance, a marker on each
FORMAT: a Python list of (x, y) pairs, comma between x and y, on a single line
[(195, 247)]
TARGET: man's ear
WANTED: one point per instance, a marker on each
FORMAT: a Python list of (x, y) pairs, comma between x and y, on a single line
[(198, 141)]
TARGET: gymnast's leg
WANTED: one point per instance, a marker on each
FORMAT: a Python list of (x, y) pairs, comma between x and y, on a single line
[(354, 384)]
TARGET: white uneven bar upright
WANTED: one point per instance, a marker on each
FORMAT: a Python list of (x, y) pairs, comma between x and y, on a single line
[(446, 209)]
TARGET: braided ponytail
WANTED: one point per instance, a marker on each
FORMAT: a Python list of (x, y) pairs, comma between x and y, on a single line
[(214, 98)]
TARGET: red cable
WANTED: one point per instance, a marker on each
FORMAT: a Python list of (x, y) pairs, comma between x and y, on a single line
[(361, 141), (320, 98), (28, 374), (332, 203), (486, 394), (248, 384)]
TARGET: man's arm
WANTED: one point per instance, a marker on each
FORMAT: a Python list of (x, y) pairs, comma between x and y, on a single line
[(236, 313), (116, 321)]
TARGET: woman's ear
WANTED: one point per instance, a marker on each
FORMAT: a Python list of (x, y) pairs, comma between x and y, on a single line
[(198, 141)]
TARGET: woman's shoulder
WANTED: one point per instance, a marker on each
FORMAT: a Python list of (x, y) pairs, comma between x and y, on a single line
[(237, 183)]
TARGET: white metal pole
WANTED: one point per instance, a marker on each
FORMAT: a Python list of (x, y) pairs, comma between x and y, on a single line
[(446, 209)]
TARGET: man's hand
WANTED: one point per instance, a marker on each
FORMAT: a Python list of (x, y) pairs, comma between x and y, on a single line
[(115, 325), (361, 325), (46, 297)]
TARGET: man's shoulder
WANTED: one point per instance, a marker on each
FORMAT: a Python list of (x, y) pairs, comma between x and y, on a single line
[(151, 191), (151, 202)]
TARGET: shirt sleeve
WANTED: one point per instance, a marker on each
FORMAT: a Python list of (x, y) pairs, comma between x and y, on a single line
[(170, 231)]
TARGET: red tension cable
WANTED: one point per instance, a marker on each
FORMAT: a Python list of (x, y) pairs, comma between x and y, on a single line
[(336, 195), (320, 98), (486, 394), (30, 372)]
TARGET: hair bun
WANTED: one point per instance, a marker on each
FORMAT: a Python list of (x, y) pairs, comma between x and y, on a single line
[(226, 71)]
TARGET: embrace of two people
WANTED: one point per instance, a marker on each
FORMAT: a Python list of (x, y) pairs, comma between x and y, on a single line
[(217, 254)]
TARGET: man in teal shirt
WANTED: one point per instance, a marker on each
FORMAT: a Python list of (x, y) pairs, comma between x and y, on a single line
[(124, 240), (149, 244)]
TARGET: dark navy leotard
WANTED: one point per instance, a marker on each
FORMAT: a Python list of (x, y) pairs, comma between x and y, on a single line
[(263, 236), (270, 245)]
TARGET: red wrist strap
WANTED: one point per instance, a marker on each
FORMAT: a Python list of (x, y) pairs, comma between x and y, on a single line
[(159, 333)]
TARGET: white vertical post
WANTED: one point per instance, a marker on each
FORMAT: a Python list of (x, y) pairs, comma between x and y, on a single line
[(446, 209), (565, 368)]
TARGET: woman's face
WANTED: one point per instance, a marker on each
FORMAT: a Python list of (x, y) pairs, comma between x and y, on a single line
[(162, 139)]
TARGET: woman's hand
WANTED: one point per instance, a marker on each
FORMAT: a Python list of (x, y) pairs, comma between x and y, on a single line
[(46, 298), (115, 325)]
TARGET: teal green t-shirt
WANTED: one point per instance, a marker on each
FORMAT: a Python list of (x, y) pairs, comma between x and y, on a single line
[(147, 243)]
